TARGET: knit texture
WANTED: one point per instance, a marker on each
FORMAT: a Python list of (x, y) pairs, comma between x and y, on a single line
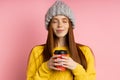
[(38, 70), (59, 8)]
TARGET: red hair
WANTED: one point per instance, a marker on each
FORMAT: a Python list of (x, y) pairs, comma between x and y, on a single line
[(75, 52)]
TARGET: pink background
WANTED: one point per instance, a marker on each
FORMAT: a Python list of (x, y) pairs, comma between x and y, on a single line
[(22, 27)]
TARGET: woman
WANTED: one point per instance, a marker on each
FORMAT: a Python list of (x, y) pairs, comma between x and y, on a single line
[(78, 65)]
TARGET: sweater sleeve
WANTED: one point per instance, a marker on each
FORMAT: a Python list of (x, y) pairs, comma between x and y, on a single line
[(37, 69), (89, 74)]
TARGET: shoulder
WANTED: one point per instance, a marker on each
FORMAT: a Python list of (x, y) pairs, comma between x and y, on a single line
[(83, 47), (87, 51), (37, 50)]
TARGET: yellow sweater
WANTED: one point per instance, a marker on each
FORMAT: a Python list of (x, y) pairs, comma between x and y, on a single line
[(38, 70)]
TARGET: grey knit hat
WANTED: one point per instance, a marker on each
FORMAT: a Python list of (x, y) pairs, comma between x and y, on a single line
[(59, 8)]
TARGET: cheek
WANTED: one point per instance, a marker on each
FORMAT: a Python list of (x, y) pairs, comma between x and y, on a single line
[(67, 27), (54, 29), (54, 26)]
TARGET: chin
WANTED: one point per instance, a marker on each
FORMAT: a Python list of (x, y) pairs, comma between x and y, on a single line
[(60, 36)]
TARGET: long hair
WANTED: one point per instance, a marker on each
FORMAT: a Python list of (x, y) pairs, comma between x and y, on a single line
[(74, 48)]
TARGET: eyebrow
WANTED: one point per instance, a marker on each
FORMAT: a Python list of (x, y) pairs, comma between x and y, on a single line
[(62, 19), (65, 19), (54, 19)]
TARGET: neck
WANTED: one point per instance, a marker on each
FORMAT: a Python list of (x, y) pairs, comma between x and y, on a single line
[(61, 42)]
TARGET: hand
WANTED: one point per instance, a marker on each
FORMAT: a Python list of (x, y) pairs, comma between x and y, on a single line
[(52, 63), (67, 62)]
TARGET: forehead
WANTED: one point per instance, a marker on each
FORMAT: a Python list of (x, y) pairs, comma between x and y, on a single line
[(60, 17)]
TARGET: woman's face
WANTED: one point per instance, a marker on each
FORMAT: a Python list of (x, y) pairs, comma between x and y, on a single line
[(60, 25)]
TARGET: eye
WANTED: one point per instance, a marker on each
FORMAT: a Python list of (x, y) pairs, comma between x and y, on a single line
[(64, 21), (54, 21)]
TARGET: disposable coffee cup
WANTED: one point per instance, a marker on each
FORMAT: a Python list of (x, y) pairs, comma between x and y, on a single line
[(62, 53)]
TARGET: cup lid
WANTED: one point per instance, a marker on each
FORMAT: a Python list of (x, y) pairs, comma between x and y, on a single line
[(60, 52)]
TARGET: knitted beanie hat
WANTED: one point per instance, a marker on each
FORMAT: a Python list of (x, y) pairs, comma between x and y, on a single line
[(59, 8)]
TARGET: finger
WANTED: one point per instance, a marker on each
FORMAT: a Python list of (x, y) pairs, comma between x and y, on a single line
[(57, 64), (66, 66), (64, 57), (60, 60), (56, 56), (56, 60), (62, 63)]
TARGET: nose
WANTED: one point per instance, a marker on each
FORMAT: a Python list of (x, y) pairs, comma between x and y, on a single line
[(60, 24)]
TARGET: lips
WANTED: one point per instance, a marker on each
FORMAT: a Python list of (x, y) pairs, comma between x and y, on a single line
[(59, 30)]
